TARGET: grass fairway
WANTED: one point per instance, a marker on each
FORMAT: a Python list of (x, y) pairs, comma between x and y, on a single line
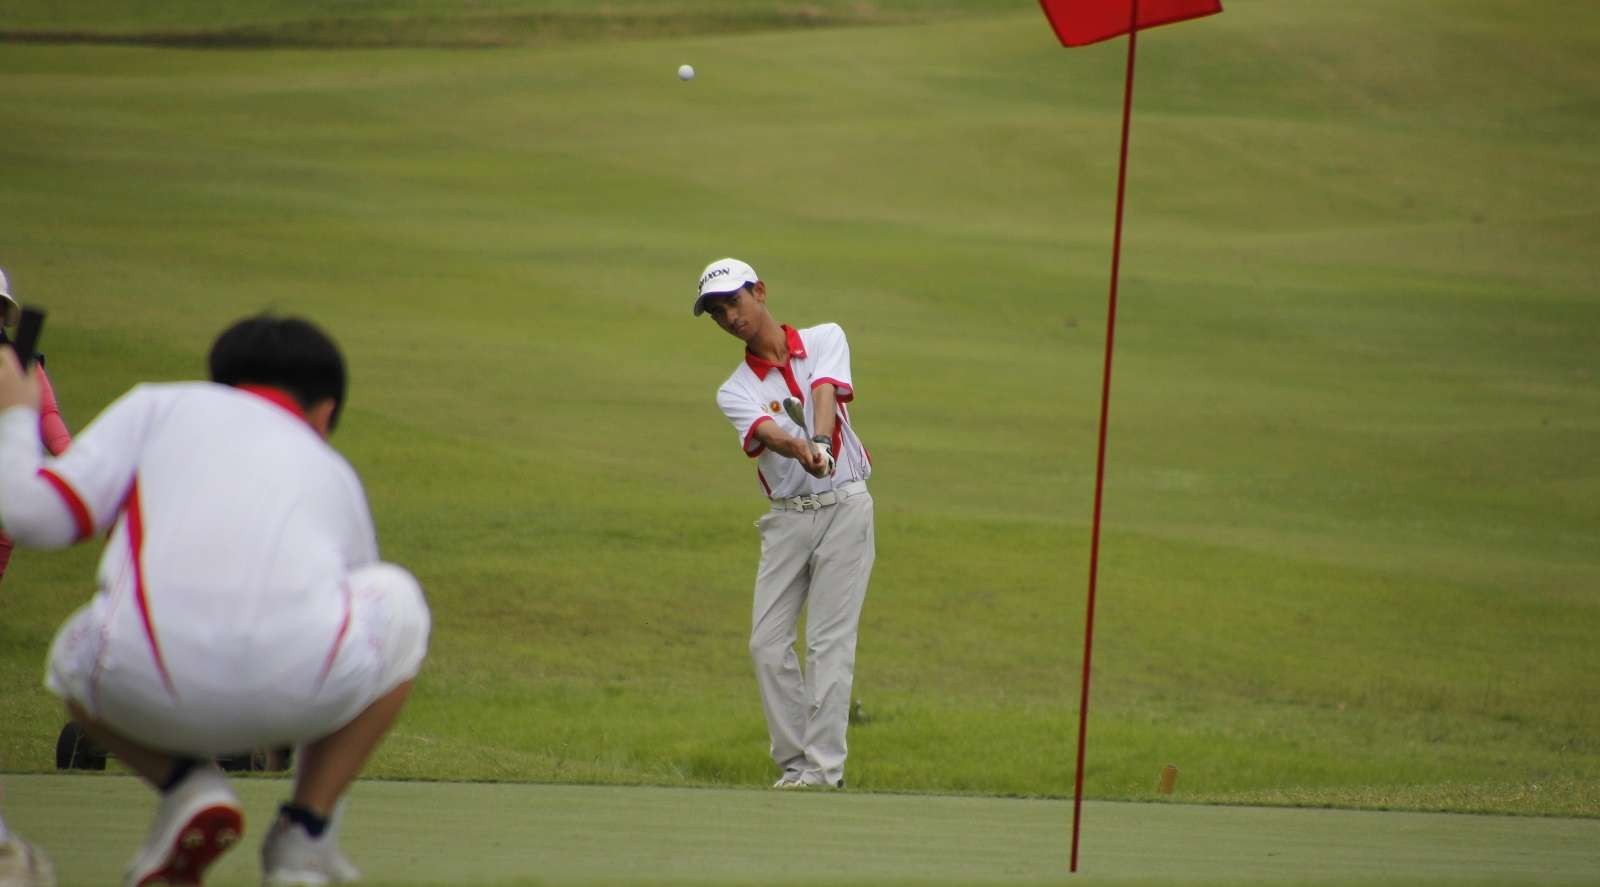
[(444, 23), (1352, 503), (557, 835)]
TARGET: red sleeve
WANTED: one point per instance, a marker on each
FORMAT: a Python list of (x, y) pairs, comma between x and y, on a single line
[(52, 428), (752, 444)]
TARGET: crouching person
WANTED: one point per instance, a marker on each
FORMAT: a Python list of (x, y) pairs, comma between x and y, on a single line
[(240, 604)]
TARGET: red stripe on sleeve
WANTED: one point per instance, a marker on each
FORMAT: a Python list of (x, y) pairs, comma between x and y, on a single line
[(842, 392), (750, 436), (74, 503)]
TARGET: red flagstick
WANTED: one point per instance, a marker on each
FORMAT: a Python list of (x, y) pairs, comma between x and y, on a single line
[(1105, 409)]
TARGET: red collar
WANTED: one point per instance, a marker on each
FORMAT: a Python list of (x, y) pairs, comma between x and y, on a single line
[(761, 367), (277, 397)]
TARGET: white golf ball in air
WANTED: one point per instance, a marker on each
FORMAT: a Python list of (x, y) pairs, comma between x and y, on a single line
[(686, 72)]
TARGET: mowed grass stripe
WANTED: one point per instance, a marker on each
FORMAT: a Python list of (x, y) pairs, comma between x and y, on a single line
[(258, 24), (479, 834)]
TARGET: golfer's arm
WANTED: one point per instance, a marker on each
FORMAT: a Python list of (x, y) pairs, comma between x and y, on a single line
[(824, 410), (779, 441), (31, 508)]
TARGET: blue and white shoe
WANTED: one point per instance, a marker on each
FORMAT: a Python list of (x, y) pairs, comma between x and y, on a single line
[(290, 857)]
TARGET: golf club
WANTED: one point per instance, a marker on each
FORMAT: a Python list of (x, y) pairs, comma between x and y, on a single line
[(797, 412)]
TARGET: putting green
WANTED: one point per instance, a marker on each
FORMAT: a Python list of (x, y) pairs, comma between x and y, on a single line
[(482, 833)]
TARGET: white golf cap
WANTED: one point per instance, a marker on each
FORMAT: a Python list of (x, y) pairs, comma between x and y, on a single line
[(7, 301), (720, 278)]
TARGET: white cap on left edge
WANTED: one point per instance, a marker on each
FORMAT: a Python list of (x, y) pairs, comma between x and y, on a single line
[(12, 309), (722, 277)]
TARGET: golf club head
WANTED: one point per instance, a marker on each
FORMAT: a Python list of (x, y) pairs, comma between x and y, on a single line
[(796, 411)]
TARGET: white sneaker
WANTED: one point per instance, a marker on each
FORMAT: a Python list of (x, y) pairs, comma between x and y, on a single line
[(290, 857), (24, 865), (815, 779), (789, 780), (197, 822)]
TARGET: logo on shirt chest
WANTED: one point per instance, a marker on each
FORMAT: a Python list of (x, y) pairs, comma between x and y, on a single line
[(774, 407)]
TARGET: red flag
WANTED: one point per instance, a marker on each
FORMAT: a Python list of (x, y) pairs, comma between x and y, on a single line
[(1081, 22)]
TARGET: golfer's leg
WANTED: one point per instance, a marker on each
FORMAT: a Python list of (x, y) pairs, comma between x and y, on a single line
[(387, 611), (327, 766), (154, 767), (75, 659), (779, 594), (839, 573)]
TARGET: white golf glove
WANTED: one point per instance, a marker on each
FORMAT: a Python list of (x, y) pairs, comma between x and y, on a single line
[(824, 448)]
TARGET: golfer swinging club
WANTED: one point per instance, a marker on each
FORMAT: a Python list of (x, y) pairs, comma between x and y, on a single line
[(817, 539)]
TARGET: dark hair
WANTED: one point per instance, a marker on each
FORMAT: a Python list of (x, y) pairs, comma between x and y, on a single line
[(284, 352)]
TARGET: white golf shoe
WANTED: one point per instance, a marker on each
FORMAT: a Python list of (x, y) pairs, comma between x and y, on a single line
[(290, 857), (198, 821), (815, 779), (789, 780), (23, 865)]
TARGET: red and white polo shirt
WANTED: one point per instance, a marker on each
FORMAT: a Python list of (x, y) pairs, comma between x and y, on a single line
[(754, 394), (229, 517)]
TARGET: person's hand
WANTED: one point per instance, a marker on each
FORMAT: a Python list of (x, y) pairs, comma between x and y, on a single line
[(824, 450), (17, 389), (811, 459)]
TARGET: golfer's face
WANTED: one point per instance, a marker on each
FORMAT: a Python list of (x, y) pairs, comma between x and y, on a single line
[(735, 312)]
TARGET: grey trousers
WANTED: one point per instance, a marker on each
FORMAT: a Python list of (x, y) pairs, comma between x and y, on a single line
[(820, 559)]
